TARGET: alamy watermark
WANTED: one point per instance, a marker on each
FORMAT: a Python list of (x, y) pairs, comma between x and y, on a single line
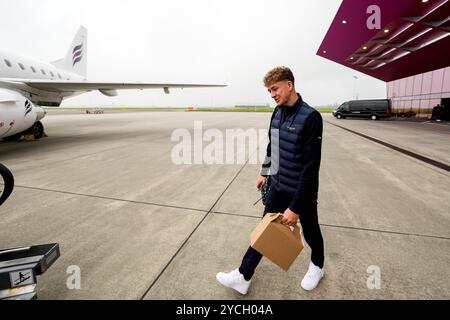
[(73, 282), (374, 20), (374, 280), (232, 146)]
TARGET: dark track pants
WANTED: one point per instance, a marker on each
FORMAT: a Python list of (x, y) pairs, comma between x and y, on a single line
[(278, 202)]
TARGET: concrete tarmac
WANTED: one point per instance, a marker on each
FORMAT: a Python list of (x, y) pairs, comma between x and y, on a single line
[(139, 226)]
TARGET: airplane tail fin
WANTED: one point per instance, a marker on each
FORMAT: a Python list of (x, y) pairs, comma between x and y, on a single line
[(75, 60)]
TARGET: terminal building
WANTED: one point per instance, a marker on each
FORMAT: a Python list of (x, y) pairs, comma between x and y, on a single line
[(405, 43)]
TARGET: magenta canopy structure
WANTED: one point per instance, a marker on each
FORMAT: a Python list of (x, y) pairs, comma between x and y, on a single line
[(390, 39)]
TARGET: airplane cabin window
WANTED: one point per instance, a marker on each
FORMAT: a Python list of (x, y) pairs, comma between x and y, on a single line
[(51, 73), (33, 69), (8, 63), (21, 66), (43, 72), (59, 76)]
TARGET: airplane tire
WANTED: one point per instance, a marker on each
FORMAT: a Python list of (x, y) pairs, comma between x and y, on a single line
[(8, 183), (37, 130)]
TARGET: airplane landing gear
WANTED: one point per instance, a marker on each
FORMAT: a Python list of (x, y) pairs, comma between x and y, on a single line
[(36, 131)]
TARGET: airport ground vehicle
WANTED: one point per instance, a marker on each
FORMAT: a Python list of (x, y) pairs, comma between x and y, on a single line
[(441, 112), (20, 266), (373, 109), (95, 111)]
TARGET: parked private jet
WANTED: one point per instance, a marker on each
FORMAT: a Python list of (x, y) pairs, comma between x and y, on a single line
[(27, 85)]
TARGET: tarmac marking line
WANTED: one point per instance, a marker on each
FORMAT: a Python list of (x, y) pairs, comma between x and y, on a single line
[(387, 231), (346, 227), (111, 198), (414, 155), (193, 231)]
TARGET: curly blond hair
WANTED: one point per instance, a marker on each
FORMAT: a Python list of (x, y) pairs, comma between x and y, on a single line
[(278, 74)]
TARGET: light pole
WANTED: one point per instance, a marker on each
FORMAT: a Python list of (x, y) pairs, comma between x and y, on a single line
[(354, 88)]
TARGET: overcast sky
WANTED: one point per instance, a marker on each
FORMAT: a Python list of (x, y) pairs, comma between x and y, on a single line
[(233, 41)]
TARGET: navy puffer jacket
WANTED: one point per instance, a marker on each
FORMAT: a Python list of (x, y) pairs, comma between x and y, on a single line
[(297, 133)]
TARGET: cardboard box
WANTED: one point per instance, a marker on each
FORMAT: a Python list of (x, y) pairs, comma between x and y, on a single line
[(277, 242)]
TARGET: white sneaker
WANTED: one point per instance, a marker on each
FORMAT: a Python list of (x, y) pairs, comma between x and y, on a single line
[(234, 280), (312, 277)]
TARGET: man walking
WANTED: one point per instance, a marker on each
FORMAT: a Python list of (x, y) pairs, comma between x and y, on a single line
[(294, 186)]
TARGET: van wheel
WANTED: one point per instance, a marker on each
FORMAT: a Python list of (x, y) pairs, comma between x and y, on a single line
[(339, 116), (374, 117)]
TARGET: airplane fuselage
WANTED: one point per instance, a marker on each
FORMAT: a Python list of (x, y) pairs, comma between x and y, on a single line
[(21, 67), (16, 67)]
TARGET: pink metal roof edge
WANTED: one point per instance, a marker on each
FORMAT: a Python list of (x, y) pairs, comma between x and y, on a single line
[(342, 40)]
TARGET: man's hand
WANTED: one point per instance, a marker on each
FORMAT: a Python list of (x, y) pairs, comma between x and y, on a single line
[(260, 182), (290, 218)]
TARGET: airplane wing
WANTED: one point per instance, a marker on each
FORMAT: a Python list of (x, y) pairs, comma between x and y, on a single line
[(83, 86)]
